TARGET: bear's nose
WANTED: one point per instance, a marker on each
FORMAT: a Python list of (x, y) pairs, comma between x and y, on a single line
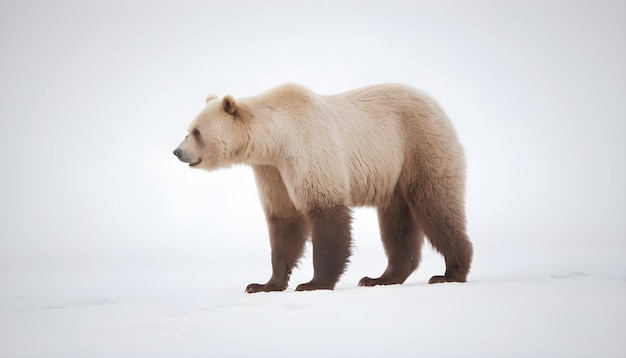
[(178, 152)]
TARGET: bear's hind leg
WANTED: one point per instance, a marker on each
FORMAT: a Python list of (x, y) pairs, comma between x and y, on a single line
[(287, 239), (446, 231), (402, 239), (332, 240)]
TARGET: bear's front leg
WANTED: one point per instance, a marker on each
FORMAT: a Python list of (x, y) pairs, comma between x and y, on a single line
[(331, 237), (287, 239)]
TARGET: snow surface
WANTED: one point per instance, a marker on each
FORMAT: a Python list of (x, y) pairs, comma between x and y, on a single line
[(185, 314), (110, 247)]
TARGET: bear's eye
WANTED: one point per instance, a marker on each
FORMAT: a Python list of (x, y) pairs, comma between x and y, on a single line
[(196, 132)]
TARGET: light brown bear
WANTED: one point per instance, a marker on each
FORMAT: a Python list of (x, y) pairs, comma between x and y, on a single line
[(386, 146)]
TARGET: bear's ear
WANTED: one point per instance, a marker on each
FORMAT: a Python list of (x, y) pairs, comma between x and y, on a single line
[(209, 98), (229, 105)]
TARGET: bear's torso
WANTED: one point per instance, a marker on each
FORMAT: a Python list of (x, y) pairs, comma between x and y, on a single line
[(352, 147)]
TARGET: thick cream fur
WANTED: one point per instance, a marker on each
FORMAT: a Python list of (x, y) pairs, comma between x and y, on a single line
[(354, 148)]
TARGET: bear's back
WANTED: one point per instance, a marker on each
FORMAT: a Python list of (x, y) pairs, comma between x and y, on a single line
[(387, 130)]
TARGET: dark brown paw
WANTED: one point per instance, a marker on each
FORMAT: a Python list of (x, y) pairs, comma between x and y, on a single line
[(268, 287), (367, 281), (312, 286), (444, 279)]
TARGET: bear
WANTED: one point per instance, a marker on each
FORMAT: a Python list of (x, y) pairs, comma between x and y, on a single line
[(315, 157)]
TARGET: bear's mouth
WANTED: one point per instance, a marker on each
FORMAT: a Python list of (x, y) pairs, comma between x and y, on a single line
[(195, 163)]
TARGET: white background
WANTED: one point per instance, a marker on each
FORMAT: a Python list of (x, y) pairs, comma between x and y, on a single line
[(95, 95)]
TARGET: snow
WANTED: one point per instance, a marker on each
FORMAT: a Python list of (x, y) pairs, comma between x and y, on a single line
[(109, 247), (161, 314)]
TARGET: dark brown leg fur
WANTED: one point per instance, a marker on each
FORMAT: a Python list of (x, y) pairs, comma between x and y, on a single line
[(331, 236), (287, 239), (402, 240), (446, 231)]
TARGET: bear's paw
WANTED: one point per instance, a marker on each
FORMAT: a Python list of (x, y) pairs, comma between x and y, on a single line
[(314, 285), (368, 281), (268, 287), (447, 278)]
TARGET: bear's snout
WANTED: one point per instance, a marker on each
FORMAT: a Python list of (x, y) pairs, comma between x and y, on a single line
[(181, 155), (184, 157)]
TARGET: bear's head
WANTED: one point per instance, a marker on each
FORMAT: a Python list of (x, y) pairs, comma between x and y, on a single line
[(217, 135)]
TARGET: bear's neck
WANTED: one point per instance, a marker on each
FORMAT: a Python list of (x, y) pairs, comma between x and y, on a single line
[(262, 146)]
